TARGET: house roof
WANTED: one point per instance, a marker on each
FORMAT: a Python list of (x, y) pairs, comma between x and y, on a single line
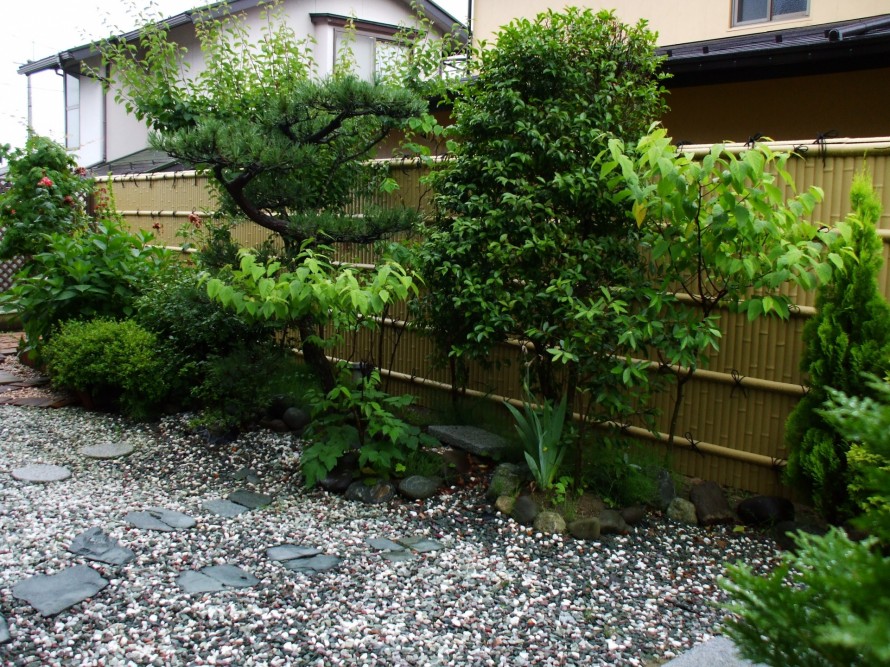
[(70, 59), (146, 161), (835, 47)]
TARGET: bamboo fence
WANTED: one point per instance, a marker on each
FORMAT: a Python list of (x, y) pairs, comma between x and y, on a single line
[(732, 420)]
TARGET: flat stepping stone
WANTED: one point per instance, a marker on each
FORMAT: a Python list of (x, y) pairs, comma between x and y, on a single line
[(250, 499), (231, 576), (192, 581), (291, 552), (97, 545), (320, 563), (31, 402), (52, 593), (399, 556), (248, 475), (215, 578), (472, 439), (158, 518), (384, 544), (41, 473), (8, 378), (4, 631), (107, 450), (224, 508), (421, 545)]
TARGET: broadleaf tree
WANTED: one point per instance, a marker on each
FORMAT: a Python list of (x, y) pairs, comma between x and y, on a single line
[(527, 245), (722, 232)]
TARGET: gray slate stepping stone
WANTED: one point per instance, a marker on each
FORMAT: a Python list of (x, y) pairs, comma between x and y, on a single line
[(230, 576), (471, 439), (8, 378), (421, 545), (248, 475), (291, 552), (192, 581), (158, 518), (224, 508), (4, 631), (250, 499), (384, 544), (107, 450), (319, 563), (96, 545), (399, 556), (52, 593), (41, 473)]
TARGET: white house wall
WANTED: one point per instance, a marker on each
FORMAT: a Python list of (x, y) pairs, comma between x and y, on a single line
[(92, 100), (126, 135)]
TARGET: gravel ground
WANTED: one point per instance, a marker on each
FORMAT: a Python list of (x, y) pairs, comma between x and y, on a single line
[(497, 594)]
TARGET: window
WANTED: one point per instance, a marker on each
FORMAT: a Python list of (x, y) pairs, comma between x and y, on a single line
[(760, 11), (371, 56)]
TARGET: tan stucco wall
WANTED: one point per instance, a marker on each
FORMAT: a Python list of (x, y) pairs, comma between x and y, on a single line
[(675, 22), (793, 109)]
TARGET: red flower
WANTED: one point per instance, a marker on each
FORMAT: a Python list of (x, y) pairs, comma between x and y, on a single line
[(156, 226), (68, 199), (195, 219), (45, 182), (81, 171)]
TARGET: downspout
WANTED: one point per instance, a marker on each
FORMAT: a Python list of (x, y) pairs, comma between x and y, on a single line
[(30, 112), (469, 33), (104, 112)]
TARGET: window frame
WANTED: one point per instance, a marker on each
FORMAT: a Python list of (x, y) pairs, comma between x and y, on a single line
[(770, 18)]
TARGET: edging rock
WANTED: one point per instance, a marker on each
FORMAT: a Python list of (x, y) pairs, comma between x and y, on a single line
[(683, 511), (710, 503)]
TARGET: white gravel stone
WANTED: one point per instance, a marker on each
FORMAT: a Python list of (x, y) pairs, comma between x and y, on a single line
[(494, 594)]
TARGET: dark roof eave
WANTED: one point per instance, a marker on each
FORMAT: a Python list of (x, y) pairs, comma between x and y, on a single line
[(793, 52)]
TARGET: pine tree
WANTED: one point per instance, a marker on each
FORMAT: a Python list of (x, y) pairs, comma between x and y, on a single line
[(848, 338)]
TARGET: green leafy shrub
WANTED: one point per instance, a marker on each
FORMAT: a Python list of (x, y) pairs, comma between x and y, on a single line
[(47, 195), (848, 337), (828, 604), (107, 359), (192, 329), (92, 273), (236, 389), (620, 473), (359, 417)]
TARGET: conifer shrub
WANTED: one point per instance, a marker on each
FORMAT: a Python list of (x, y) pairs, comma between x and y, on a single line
[(829, 601), (848, 338)]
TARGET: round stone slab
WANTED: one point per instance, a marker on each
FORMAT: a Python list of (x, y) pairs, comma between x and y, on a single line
[(107, 450), (41, 473)]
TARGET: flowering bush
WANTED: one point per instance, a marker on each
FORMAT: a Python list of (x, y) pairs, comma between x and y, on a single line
[(47, 194)]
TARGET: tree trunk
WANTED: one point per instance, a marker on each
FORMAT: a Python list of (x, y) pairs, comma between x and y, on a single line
[(314, 355)]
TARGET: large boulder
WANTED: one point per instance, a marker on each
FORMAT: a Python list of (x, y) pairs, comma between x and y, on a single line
[(710, 503), (765, 510), (506, 480), (380, 492), (550, 523), (585, 529), (525, 510), (683, 511), (611, 521), (418, 487)]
